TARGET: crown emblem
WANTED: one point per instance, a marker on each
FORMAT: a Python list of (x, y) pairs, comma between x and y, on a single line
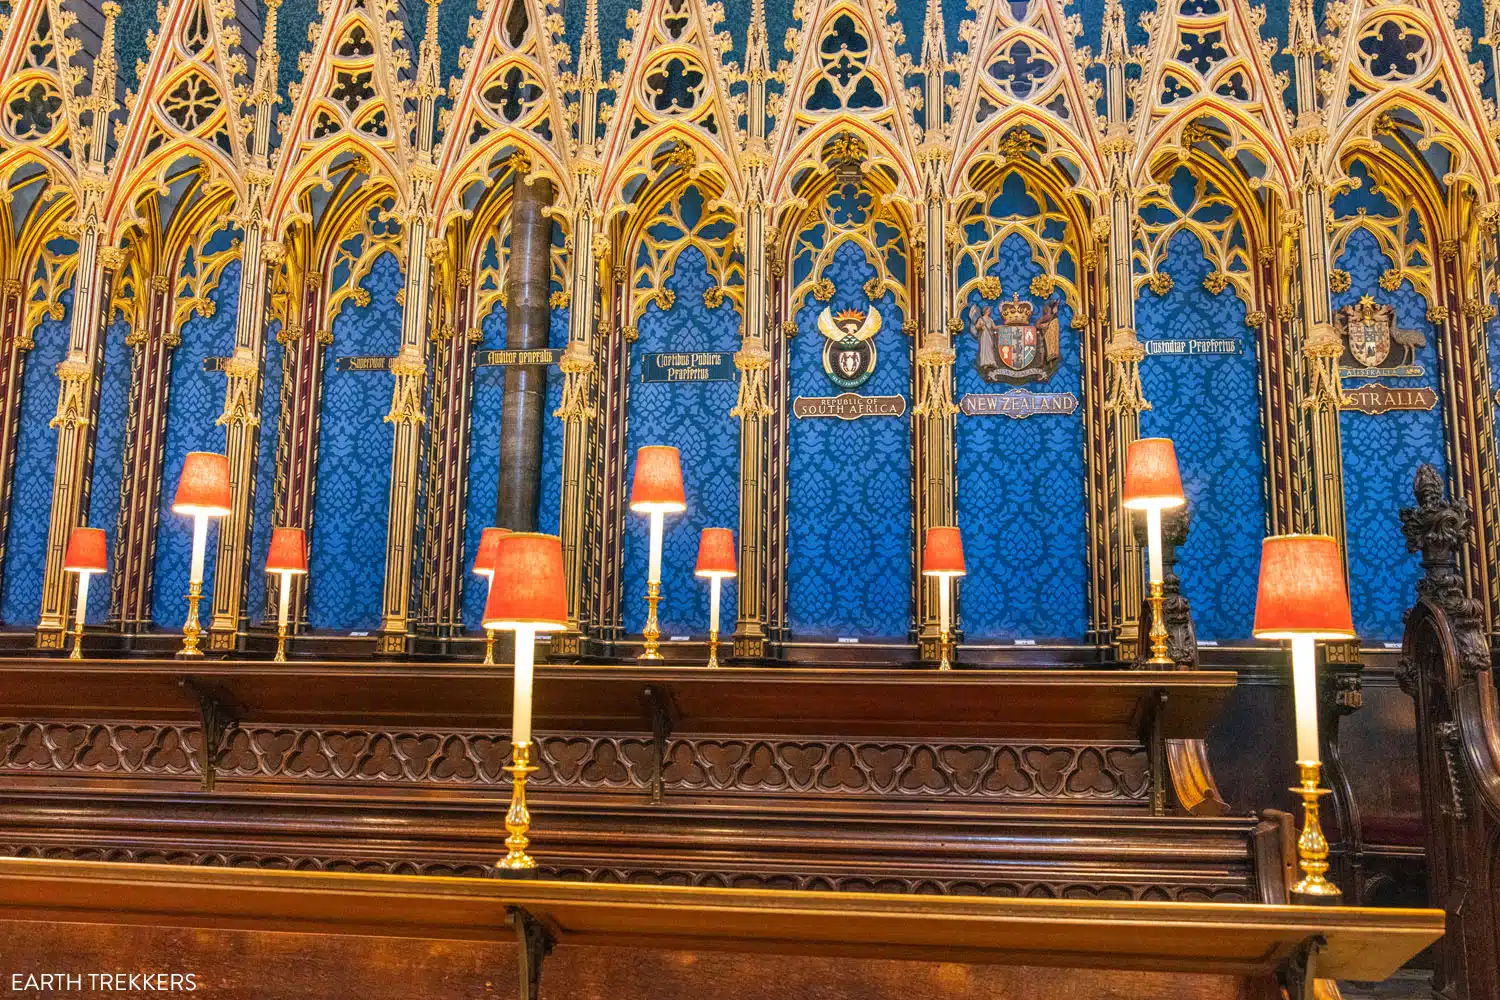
[(1015, 312), (849, 316)]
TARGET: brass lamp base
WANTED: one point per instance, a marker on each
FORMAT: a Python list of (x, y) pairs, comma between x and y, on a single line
[(280, 656), (713, 647), (652, 632), (518, 817), (1159, 657), (1313, 889), (945, 650), (191, 629), (489, 647)]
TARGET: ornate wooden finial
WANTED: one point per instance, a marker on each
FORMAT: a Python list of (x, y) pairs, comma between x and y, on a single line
[(1440, 528)]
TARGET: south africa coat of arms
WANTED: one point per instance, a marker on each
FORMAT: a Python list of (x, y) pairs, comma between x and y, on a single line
[(849, 346), (1012, 348)]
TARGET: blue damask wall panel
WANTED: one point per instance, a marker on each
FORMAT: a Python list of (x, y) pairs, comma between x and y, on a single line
[(194, 402), (1209, 406), (265, 479), (1381, 455), (31, 486), (347, 562), (484, 452), (849, 503), (695, 418), (1021, 490), (109, 455), (548, 516), (484, 462)]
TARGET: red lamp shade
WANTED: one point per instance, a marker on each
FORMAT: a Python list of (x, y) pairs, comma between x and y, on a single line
[(484, 559), (1151, 476), (658, 481), (943, 553), (715, 553), (528, 588), (288, 553), (86, 551), (1302, 591), (204, 486)]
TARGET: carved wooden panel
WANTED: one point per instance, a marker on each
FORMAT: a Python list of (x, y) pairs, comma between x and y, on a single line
[(793, 880), (1043, 772)]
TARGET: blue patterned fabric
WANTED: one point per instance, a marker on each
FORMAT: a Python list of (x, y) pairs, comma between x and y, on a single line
[(1020, 499), (259, 604), (849, 504), (549, 513), (1381, 455), (1209, 406), (693, 417), (194, 401), (484, 463), (484, 453), (109, 456), (31, 483), (346, 577)]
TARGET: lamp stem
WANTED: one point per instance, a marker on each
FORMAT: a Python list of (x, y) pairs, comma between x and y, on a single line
[(518, 817), (283, 615), (714, 583), (1159, 657), (191, 628), (945, 614), (83, 607), (652, 632)]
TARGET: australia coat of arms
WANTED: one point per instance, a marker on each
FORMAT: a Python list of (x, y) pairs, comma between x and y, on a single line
[(1012, 348), (849, 345), (1370, 334)]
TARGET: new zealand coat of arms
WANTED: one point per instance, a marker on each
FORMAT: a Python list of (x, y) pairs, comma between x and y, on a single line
[(849, 346), (1012, 348), (1370, 332)]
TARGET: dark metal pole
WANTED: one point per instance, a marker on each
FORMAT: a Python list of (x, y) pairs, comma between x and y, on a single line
[(528, 288)]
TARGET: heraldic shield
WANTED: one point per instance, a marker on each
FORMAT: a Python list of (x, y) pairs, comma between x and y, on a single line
[(1014, 349), (1371, 335), (849, 346)]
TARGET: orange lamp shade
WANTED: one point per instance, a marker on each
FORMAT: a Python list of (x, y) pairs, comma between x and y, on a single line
[(528, 588), (204, 486), (86, 551), (1302, 591), (288, 553), (943, 553), (658, 481), (715, 553), (484, 559), (1151, 476)]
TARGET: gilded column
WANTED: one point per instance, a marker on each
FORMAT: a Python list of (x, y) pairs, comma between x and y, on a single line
[(449, 432), (78, 389), (753, 406), (1321, 345), (1460, 317), (17, 341), (145, 444), (579, 368), (407, 414), (932, 416), (1123, 350), (242, 374)]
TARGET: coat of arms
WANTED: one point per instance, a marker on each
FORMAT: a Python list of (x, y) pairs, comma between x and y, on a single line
[(1011, 347), (849, 346), (1369, 333)]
